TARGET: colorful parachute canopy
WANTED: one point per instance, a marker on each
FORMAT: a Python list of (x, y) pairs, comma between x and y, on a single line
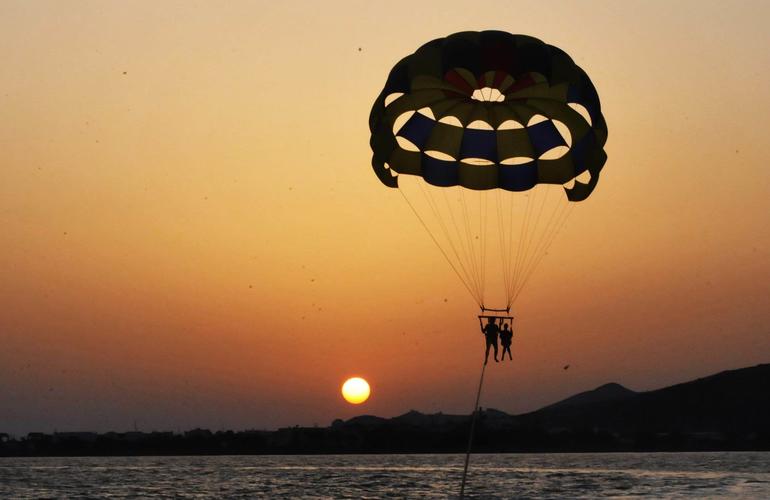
[(488, 110), (486, 128)]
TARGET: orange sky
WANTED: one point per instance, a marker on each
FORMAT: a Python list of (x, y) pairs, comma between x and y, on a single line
[(192, 234)]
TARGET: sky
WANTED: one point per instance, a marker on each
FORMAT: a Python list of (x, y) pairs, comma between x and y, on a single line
[(192, 234)]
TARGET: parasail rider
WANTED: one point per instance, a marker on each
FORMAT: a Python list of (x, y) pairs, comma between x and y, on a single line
[(490, 331), (505, 340)]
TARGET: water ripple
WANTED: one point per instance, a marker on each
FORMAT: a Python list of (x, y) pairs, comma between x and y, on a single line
[(590, 475)]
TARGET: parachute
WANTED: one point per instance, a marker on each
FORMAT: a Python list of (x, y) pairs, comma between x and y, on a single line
[(491, 138)]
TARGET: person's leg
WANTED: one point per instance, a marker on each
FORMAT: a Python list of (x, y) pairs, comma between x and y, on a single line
[(486, 354), (495, 345)]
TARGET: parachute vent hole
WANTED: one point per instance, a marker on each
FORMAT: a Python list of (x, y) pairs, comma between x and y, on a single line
[(427, 112), (392, 172), (392, 97), (488, 94), (564, 131), (401, 120), (554, 153), (584, 177), (510, 125), (406, 144), (536, 119), (582, 110), (438, 155), (451, 120), (477, 161), (480, 125), (518, 160)]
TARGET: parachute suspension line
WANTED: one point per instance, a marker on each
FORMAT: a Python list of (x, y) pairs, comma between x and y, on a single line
[(547, 236), (549, 229), (466, 237), (482, 239), (504, 256), (532, 236), (475, 260), (523, 232), (562, 219), (483, 199), (541, 238), (530, 232), (511, 261), (463, 243), (463, 261), (470, 435), (430, 233), (483, 206), (538, 227)]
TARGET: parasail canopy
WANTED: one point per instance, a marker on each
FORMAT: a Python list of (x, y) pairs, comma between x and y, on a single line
[(489, 125)]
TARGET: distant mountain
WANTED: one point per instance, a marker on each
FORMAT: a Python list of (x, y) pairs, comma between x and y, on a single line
[(366, 421), (729, 410), (726, 411), (606, 392), (735, 401)]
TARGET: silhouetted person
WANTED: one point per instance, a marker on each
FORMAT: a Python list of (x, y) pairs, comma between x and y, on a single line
[(505, 340), (490, 331)]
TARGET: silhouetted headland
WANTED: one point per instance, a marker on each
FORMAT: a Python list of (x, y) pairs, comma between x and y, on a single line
[(726, 411)]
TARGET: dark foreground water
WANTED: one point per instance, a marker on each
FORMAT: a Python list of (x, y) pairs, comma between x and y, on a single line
[(590, 475)]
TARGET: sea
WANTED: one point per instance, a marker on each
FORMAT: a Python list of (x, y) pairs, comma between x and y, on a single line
[(573, 475)]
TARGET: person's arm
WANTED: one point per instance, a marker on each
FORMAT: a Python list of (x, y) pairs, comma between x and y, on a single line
[(481, 325)]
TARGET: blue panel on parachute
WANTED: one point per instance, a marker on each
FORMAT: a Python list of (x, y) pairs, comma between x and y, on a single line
[(479, 144), (518, 177), (579, 151), (417, 129), (544, 136), (440, 172), (584, 98)]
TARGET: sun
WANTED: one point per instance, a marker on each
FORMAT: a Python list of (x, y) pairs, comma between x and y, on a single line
[(355, 390)]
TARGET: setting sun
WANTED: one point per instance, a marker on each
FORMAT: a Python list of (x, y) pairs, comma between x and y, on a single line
[(355, 390)]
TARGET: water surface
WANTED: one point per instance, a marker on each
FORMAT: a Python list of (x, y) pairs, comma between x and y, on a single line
[(589, 475)]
